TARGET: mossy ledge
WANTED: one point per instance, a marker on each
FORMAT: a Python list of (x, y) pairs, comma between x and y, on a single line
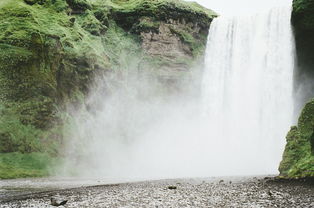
[(52, 50), (298, 158)]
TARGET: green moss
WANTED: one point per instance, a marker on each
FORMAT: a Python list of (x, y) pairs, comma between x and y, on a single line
[(16, 136), (79, 5), (303, 14), (91, 24), (159, 6), (298, 158), (122, 48), (146, 24), (10, 55), (196, 44), (303, 22), (128, 12), (50, 52), (17, 165), (139, 16)]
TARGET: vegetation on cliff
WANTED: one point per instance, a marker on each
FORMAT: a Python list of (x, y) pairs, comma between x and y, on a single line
[(298, 158), (52, 50), (303, 23)]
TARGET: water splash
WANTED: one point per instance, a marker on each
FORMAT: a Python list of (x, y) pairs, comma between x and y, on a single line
[(238, 126)]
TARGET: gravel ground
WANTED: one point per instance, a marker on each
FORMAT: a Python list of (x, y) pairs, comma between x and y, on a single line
[(216, 193)]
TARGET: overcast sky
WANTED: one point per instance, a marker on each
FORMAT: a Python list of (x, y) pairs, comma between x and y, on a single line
[(241, 7)]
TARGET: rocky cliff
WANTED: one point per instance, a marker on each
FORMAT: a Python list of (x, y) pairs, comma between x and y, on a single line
[(303, 23), (298, 158), (51, 51)]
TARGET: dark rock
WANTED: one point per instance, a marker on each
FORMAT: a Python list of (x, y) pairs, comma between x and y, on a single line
[(57, 201), (79, 6), (30, 2), (303, 22), (72, 19), (172, 187)]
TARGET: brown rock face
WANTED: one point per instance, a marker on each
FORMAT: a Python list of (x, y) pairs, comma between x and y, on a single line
[(173, 36), (165, 43), (174, 48)]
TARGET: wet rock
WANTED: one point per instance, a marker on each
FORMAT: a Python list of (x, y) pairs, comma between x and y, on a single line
[(172, 187), (58, 201)]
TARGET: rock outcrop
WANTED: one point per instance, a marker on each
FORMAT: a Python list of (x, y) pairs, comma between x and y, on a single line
[(298, 158), (171, 37), (303, 23)]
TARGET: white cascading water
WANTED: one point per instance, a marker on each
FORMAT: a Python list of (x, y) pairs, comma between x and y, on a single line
[(248, 84), (246, 110)]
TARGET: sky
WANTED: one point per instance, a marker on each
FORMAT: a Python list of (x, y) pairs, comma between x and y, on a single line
[(241, 7)]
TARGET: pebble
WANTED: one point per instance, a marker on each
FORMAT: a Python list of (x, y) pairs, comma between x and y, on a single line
[(206, 194)]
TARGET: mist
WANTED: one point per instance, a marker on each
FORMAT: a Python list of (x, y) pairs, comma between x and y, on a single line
[(136, 135), (230, 120)]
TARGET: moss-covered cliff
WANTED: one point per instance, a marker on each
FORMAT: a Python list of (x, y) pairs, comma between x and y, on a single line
[(303, 23), (298, 158), (52, 50)]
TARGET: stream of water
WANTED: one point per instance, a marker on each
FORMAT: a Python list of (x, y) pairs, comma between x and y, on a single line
[(248, 85)]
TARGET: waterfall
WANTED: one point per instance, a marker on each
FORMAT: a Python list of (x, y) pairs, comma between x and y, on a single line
[(247, 87), (237, 127)]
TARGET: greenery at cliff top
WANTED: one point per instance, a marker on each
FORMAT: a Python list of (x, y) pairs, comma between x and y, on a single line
[(128, 12), (298, 158), (156, 6)]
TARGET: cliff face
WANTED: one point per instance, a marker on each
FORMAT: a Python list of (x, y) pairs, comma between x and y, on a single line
[(52, 50), (172, 35), (303, 23), (298, 158)]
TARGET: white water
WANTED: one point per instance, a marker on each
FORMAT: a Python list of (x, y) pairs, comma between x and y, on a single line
[(238, 126), (247, 86)]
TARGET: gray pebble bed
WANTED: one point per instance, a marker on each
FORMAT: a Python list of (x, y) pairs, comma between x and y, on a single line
[(246, 193)]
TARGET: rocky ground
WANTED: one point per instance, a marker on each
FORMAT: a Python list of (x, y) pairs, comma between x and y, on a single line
[(227, 192)]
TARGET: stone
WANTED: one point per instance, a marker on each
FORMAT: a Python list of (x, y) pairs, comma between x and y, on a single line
[(172, 187), (58, 201)]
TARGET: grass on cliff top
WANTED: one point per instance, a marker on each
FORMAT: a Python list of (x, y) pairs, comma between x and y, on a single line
[(154, 5), (18, 165), (20, 22)]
